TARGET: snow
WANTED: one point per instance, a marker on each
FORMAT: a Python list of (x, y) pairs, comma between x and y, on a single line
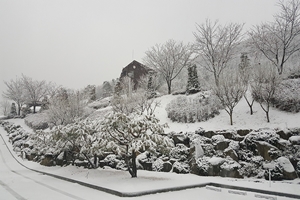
[(286, 164), (216, 160), (295, 139), (120, 180), (241, 118)]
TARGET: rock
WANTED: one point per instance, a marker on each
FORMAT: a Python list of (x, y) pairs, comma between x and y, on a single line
[(181, 139), (167, 167), (47, 160), (208, 134), (230, 169), (284, 135), (231, 153), (221, 146), (110, 160), (158, 165), (263, 149), (214, 167), (289, 172), (196, 149), (295, 140), (243, 132)]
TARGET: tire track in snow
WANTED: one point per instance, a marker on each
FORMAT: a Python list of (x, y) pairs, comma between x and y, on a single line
[(38, 182)]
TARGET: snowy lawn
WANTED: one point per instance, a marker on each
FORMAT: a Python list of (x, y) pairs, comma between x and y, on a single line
[(241, 118)]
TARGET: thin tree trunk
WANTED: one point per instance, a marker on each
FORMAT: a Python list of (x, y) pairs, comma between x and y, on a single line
[(249, 104), (133, 160), (231, 121)]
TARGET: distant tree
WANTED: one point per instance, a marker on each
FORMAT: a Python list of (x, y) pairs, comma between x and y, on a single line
[(216, 45), (5, 107), (230, 90), (90, 92), (128, 134), (15, 92), (193, 82), (245, 73), (66, 107), (169, 59), (278, 40), (264, 86), (35, 90)]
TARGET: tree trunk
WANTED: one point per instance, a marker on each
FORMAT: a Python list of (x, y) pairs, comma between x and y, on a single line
[(230, 114), (34, 105), (268, 118), (249, 104), (19, 109), (133, 160), (169, 87)]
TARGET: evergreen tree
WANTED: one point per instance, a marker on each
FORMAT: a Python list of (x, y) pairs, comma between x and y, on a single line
[(193, 83), (150, 87)]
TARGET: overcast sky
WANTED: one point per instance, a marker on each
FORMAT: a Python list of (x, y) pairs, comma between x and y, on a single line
[(75, 43)]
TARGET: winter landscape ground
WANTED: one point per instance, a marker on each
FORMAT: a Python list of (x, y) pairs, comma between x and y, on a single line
[(120, 180)]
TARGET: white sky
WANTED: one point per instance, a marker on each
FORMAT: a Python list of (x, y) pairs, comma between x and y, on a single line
[(75, 43)]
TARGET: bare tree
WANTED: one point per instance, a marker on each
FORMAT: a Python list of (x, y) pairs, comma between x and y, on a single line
[(35, 90), (230, 90), (264, 86), (279, 40), (15, 92), (215, 45), (169, 59)]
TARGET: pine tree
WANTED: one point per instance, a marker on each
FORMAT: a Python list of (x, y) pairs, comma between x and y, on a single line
[(245, 75), (150, 87), (193, 83), (13, 109)]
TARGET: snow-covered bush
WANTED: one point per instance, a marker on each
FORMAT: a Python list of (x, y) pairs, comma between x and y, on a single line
[(190, 109), (287, 97), (37, 121)]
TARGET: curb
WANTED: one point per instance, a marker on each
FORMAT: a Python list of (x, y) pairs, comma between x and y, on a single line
[(171, 189)]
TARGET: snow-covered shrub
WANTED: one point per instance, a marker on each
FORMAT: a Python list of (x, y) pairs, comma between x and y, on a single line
[(158, 165), (287, 97), (181, 168), (190, 109), (37, 121), (180, 152)]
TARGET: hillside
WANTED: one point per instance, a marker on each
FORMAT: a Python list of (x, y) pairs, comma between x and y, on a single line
[(241, 118)]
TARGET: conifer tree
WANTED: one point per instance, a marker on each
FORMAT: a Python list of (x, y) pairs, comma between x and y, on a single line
[(193, 83)]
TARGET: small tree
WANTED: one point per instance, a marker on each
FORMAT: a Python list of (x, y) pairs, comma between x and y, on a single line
[(230, 90), (128, 134), (264, 86), (169, 59), (193, 82), (245, 73), (15, 92), (35, 90)]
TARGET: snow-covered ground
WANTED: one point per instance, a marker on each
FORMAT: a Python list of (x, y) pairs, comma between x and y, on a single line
[(241, 118), (121, 181)]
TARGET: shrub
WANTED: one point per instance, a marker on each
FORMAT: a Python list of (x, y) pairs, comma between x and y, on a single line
[(37, 121), (287, 97), (193, 109)]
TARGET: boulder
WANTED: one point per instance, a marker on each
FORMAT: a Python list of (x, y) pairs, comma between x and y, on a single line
[(47, 160), (167, 167), (181, 139), (214, 165), (263, 149), (230, 168), (196, 150), (284, 135), (295, 140), (244, 132), (221, 146), (231, 153), (289, 172)]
